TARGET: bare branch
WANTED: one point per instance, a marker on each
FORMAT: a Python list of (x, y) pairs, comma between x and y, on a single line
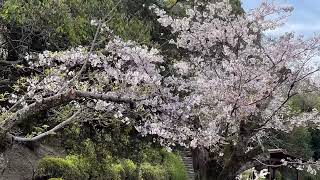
[(50, 132), (36, 107), (10, 62), (105, 97), (286, 163)]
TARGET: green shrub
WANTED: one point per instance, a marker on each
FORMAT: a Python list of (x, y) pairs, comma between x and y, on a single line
[(69, 168), (151, 155), (111, 168), (174, 166), (114, 171), (156, 172), (130, 169)]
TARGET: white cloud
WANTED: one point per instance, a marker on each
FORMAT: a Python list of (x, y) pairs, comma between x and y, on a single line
[(306, 29)]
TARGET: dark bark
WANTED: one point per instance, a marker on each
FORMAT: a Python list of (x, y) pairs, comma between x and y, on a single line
[(36, 107), (200, 157), (54, 101), (235, 160), (210, 169), (230, 169)]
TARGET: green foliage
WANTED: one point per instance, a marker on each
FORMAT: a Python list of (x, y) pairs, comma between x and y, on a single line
[(112, 168), (130, 169), (5, 115), (278, 176), (64, 23), (78, 167), (150, 172), (310, 177), (170, 3), (174, 166), (69, 168), (40, 123), (103, 158), (248, 174), (131, 29), (300, 142), (315, 142), (297, 142), (236, 6), (304, 103), (285, 173), (114, 172), (153, 155)]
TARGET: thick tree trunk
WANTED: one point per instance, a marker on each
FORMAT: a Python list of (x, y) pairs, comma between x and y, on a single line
[(230, 170), (236, 157), (200, 157), (207, 168)]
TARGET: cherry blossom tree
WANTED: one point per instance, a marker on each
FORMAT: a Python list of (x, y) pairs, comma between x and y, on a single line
[(236, 82), (231, 87)]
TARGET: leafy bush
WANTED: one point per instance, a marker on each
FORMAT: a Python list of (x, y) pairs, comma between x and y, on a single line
[(111, 168), (114, 172), (119, 170), (150, 172), (174, 166), (130, 169), (68, 168), (304, 103), (151, 155)]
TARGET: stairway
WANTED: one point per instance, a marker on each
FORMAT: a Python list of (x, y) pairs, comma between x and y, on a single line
[(188, 163)]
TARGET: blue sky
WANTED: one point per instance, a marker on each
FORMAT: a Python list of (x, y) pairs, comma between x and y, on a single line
[(304, 20)]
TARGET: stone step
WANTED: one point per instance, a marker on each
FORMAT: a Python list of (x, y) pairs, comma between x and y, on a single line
[(187, 157), (187, 160), (188, 163)]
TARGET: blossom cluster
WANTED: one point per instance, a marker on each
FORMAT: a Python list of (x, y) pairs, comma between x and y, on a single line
[(235, 74)]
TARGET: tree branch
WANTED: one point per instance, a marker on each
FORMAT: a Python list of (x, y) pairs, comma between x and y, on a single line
[(84, 66), (10, 62), (54, 101), (105, 97), (51, 131)]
